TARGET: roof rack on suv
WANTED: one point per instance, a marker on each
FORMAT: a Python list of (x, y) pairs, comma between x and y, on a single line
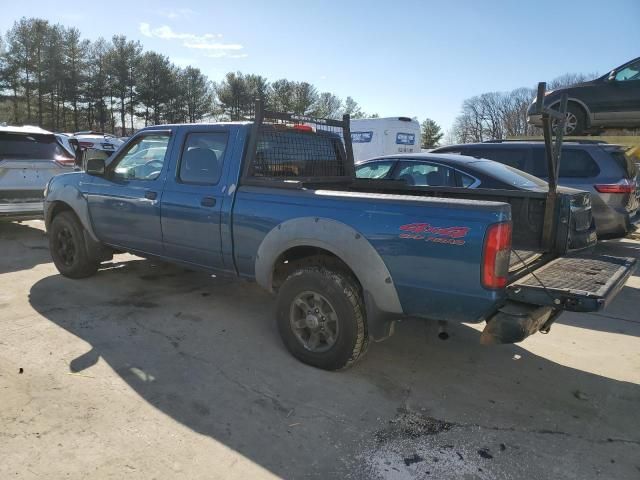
[(569, 140)]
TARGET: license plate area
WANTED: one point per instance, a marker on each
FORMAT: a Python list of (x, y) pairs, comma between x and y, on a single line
[(581, 283)]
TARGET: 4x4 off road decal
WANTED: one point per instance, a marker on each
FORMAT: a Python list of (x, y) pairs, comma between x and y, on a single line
[(431, 233)]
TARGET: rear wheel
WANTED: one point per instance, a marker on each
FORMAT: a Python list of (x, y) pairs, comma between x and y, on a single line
[(68, 249), (321, 318)]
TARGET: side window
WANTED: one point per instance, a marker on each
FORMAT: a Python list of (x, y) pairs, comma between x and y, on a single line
[(202, 156), (514, 157), (465, 180), (577, 163), (630, 72), (574, 163), (425, 174), (374, 170), (144, 158)]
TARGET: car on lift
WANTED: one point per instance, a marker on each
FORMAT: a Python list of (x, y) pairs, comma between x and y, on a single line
[(610, 101)]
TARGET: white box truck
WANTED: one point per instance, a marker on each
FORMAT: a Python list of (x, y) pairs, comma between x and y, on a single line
[(374, 137)]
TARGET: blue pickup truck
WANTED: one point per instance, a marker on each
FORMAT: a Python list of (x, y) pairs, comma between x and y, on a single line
[(276, 200)]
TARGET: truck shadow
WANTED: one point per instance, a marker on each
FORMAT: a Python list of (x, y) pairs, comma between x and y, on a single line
[(23, 246), (206, 353)]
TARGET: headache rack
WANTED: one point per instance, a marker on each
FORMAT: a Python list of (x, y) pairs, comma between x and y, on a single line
[(294, 150)]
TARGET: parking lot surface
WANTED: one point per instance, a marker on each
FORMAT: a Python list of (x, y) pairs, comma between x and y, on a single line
[(150, 371)]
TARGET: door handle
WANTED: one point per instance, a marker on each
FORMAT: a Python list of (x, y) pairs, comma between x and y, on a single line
[(150, 195), (208, 202)]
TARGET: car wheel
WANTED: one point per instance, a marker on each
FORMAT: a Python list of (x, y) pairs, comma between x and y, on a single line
[(575, 123), (321, 318), (68, 249)]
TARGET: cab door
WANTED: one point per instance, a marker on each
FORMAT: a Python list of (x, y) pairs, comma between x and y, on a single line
[(124, 203), (193, 196)]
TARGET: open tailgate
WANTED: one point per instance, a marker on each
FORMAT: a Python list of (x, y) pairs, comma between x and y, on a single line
[(579, 283)]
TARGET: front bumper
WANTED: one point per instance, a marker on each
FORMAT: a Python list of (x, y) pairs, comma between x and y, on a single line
[(535, 119)]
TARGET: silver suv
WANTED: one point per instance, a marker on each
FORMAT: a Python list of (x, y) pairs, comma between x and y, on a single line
[(29, 157), (601, 169)]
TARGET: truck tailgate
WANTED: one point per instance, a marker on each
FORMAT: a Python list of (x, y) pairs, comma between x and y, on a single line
[(580, 283)]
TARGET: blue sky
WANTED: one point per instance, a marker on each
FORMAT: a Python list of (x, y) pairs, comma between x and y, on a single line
[(412, 58)]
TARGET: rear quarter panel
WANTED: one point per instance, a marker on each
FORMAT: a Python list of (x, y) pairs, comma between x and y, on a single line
[(436, 275)]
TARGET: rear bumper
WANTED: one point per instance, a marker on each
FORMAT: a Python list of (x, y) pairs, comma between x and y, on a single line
[(611, 223), (515, 321), (21, 210), (579, 283)]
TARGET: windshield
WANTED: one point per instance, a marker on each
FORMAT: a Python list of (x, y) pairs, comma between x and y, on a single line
[(509, 175), (31, 146), (373, 170)]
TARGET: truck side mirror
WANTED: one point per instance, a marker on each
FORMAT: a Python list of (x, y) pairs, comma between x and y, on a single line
[(95, 166), (612, 76), (94, 161)]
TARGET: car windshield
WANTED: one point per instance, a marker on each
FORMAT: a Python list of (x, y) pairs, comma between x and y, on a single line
[(509, 175), (373, 170), (32, 146)]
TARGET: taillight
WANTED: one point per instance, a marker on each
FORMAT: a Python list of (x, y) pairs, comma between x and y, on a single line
[(495, 260), (65, 161), (625, 187)]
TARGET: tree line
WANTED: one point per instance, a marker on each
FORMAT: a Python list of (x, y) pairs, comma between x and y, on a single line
[(499, 115), (52, 77)]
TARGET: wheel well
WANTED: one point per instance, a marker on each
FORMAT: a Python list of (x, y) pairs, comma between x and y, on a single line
[(58, 207), (304, 256), (580, 107)]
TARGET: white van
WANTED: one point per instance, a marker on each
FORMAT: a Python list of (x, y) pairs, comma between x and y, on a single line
[(374, 137)]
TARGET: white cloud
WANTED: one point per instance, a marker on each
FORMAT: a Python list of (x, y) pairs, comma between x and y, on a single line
[(173, 13), (226, 55), (207, 41)]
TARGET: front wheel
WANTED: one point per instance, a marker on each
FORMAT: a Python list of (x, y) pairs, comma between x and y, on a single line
[(68, 249), (321, 318), (575, 123)]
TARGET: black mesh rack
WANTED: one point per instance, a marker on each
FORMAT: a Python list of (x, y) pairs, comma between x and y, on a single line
[(298, 149)]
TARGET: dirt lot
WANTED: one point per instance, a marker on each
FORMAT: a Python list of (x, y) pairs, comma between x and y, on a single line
[(150, 371)]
